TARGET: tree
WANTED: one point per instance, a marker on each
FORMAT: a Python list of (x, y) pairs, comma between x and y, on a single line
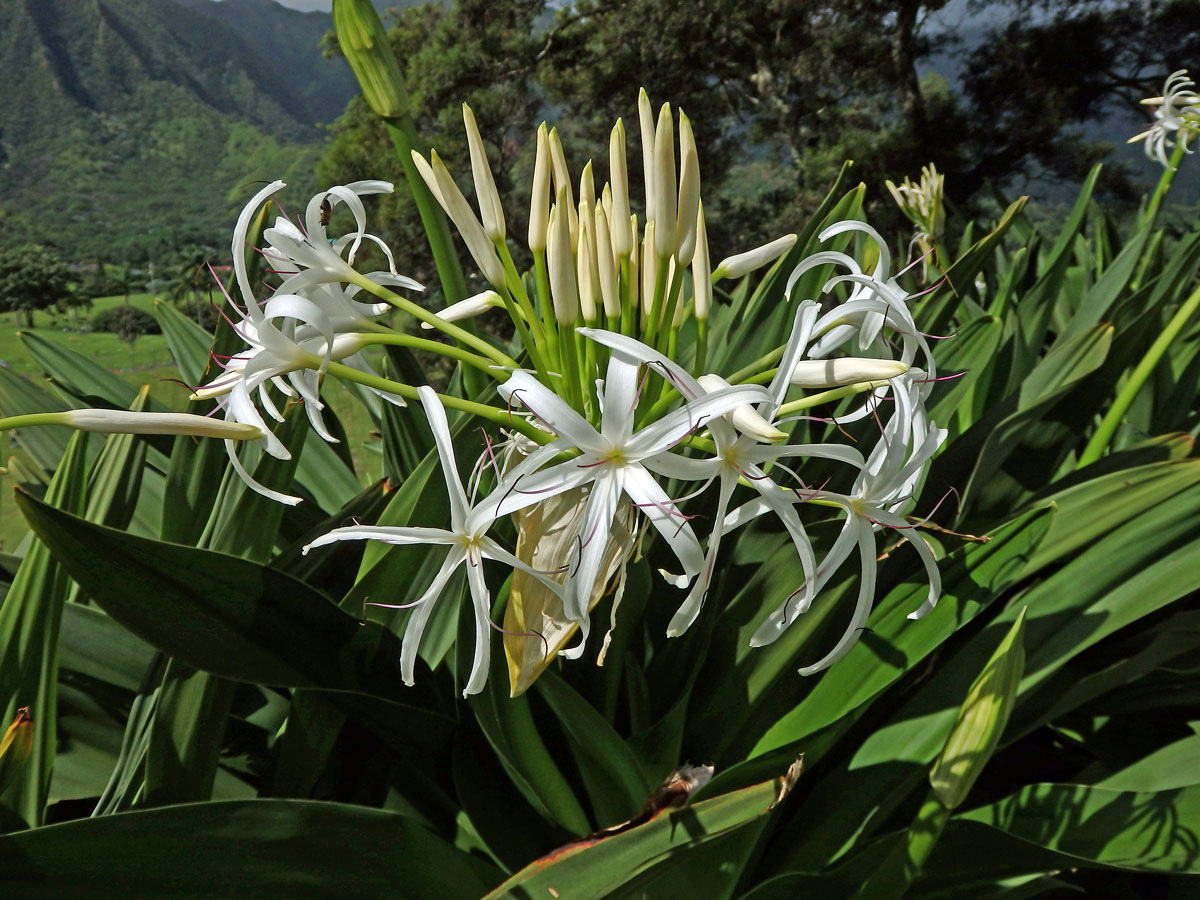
[(475, 51), (32, 277)]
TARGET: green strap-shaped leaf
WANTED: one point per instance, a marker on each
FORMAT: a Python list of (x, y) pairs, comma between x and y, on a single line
[(29, 623), (248, 849), (189, 342), (1155, 831), (18, 397), (229, 616), (81, 376), (595, 869)]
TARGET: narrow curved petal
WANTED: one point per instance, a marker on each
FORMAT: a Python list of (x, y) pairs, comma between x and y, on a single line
[(862, 609), (423, 609), (661, 511)]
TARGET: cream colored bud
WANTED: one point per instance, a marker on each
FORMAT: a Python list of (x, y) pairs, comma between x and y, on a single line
[(744, 263), (607, 267), (650, 264), (745, 418), (587, 186), (428, 177), (634, 256), (829, 373), (618, 174), (467, 309), (490, 210), (539, 203), (479, 245), (646, 122), (586, 276), (561, 263), (689, 192), (664, 184), (120, 421), (562, 179), (701, 274)]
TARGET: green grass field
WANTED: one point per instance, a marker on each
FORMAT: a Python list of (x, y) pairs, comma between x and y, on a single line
[(151, 364)]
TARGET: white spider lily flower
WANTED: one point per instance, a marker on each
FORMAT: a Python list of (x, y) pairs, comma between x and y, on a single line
[(467, 309), (745, 418), (829, 373), (882, 489), (738, 457), (490, 209), (616, 462), (1178, 111), (468, 543), (875, 300), (122, 421), (744, 263), (309, 257)]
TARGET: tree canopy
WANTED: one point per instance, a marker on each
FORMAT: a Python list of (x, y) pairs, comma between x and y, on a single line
[(32, 277)]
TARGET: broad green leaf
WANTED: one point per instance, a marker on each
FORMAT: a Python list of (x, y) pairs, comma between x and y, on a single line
[(19, 396), (188, 341), (81, 376), (598, 868), (1153, 831), (1174, 766), (229, 616), (970, 583), (245, 849), (93, 644), (613, 774), (29, 624)]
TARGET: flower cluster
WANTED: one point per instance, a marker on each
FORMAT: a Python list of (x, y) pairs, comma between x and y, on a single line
[(618, 425), (1177, 110)]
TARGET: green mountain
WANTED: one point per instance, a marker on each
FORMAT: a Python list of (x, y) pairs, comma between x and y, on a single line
[(132, 125)]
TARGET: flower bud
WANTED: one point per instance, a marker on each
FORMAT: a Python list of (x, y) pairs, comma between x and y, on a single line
[(744, 263), (744, 417), (364, 43), (562, 180), (561, 263), (539, 204), (701, 276), (428, 177), (479, 245), (689, 192), (664, 184), (646, 123), (121, 421), (587, 278), (467, 309), (606, 267), (829, 373), (650, 264), (981, 719), (486, 194), (618, 174)]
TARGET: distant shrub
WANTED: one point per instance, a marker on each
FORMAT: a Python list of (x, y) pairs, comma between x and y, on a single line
[(126, 322)]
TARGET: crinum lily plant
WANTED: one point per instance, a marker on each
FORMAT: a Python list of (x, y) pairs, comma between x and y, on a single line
[(619, 437)]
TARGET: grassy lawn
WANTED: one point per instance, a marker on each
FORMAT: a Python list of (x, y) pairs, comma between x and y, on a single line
[(150, 363)]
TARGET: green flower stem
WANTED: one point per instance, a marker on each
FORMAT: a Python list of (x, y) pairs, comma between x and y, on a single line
[(502, 417), (812, 400), (527, 339), (1164, 185), (747, 372), (448, 328), (1116, 413), (542, 278), (625, 289), (701, 344), (570, 365), (891, 878), (46, 418), (399, 339), (673, 296), (660, 288), (517, 286)]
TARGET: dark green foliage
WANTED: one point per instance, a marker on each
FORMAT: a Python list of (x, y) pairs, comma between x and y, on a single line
[(32, 277), (127, 322)]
